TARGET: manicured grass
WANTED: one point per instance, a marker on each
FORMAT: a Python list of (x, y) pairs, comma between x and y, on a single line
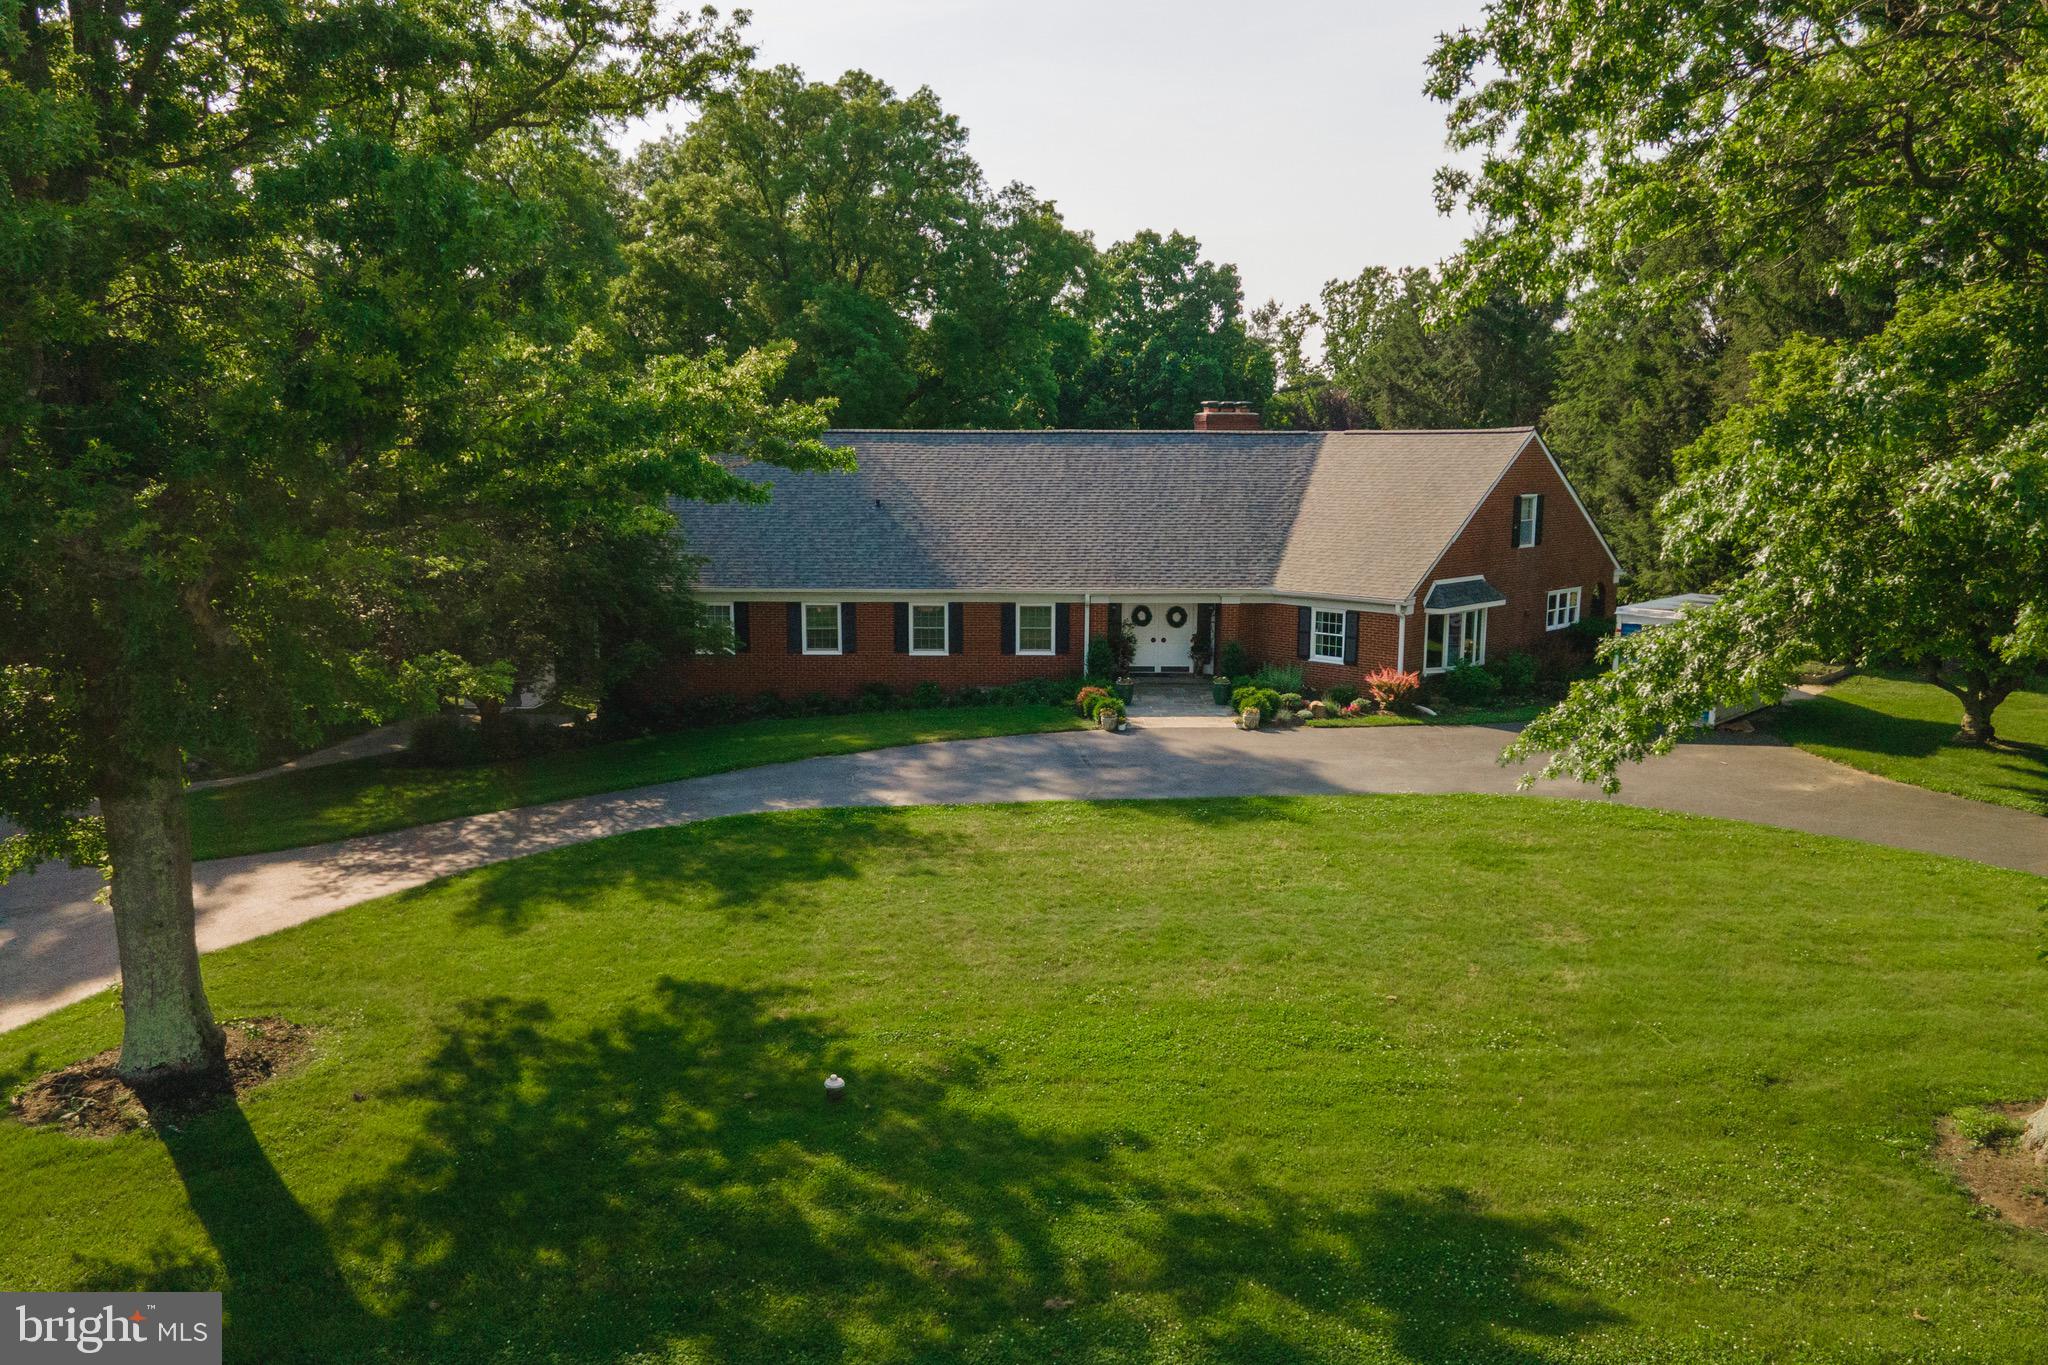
[(374, 795), (1901, 728), (1457, 1079)]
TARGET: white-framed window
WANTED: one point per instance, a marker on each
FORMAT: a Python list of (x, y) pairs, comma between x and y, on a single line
[(716, 615), (821, 627), (1034, 628), (1453, 636), (1528, 517), (1560, 608), (928, 628), (1326, 636)]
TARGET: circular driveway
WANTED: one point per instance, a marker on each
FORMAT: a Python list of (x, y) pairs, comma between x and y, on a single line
[(57, 944)]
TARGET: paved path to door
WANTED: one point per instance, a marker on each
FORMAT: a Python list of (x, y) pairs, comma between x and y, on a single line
[(56, 945)]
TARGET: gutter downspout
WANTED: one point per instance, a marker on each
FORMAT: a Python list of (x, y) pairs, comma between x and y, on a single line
[(1401, 636), (1087, 623)]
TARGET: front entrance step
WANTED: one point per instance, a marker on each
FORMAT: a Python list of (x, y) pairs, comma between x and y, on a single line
[(1175, 703)]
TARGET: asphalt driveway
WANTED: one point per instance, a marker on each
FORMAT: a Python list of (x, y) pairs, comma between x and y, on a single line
[(57, 944)]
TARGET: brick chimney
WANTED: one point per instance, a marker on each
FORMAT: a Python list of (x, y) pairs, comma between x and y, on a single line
[(1219, 414)]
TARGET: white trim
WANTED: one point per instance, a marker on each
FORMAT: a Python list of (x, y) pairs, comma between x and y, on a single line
[(1052, 624), (1466, 524), (1315, 632), (1550, 611), (945, 610), (1574, 494), (803, 621), (1233, 597), (1401, 640), (1484, 614)]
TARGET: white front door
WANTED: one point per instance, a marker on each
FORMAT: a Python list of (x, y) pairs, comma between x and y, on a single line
[(1163, 645)]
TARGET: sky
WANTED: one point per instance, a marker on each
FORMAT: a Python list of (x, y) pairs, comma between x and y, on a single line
[(1291, 137)]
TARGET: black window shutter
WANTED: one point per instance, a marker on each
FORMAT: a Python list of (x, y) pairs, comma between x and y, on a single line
[(1063, 628), (796, 627), (1515, 525), (902, 627), (740, 637), (1539, 518), (1302, 623), (846, 638), (956, 627), (1116, 618), (1009, 627), (1350, 637)]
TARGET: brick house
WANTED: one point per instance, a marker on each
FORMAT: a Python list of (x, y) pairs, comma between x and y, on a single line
[(973, 558)]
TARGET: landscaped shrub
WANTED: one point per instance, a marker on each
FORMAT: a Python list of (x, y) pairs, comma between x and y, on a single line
[(1235, 661), (1516, 671), (1101, 658), (1340, 696), (1390, 687), (1358, 706), (876, 696), (1982, 1127), (927, 694), (1468, 684), (815, 704), (1279, 677), (1264, 700), (1290, 701), (1085, 699), (1108, 704)]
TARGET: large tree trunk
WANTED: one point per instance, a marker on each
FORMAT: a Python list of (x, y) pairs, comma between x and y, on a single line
[(1977, 709), (170, 1045)]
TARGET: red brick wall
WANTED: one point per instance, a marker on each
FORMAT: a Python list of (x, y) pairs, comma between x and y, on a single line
[(1570, 556), (1270, 630), (767, 665)]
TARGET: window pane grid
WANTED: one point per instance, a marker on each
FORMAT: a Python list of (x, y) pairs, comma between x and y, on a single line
[(928, 630), (821, 629), (718, 616), (1561, 608), (1327, 638), (1034, 629)]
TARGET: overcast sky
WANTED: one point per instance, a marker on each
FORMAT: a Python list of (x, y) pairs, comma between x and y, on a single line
[(1290, 136)]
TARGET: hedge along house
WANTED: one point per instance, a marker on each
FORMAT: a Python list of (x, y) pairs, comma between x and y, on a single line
[(975, 558)]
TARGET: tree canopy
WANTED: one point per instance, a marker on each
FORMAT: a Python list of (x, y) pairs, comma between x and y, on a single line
[(1878, 493), (851, 221), (306, 332)]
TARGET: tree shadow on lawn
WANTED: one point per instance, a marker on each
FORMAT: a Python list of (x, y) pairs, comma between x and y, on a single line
[(675, 1176), (728, 855)]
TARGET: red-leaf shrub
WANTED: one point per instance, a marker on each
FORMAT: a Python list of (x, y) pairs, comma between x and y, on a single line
[(1390, 688)]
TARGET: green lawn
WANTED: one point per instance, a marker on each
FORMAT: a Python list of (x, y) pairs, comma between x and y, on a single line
[(372, 795), (1457, 1079), (1901, 729)]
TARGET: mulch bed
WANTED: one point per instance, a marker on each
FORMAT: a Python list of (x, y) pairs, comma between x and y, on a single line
[(2004, 1179), (86, 1099)]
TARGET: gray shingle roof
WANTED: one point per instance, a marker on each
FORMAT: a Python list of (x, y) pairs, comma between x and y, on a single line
[(1467, 592), (1340, 514)]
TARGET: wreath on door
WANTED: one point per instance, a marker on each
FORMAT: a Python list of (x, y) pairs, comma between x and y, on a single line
[(1176, 617), (1141, 616)]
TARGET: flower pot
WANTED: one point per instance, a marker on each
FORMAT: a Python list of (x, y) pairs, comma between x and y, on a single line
[(1123, 687), (1248, 719), (1219, 691)]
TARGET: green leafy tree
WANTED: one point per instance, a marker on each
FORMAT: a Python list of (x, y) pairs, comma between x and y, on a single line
[(1168, 330), (299, 337), (1878, 496), (851, 220), (1396, 347)]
